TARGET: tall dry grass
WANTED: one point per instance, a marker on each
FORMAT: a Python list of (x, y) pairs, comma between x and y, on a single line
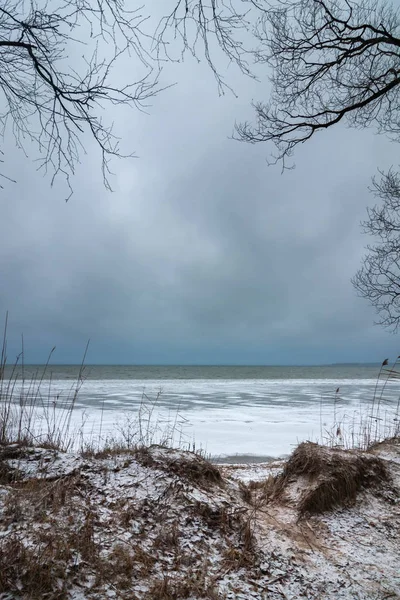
[(371, 422), (140, 429), (31, 411)]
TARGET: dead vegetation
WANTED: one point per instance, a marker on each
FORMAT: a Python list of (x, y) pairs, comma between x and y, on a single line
[(151, 523), (7, 473), (320, 479), (216, 517), (194, 586), (37, 572), (188, 466), (138, 524)]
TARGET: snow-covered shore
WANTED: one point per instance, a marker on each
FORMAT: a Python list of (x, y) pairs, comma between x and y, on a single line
[(162, 524)]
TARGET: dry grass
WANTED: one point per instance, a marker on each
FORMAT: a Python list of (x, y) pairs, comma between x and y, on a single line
[(78, 535), (37, 498), (195, 469), (168, 538), (61, 528), (257, 493), (106, 451), (150, 534), (373, 421), (332, 477), (39, 572), (245, 554), (390, 442), (31, 411), (125, 563), (7, 473), (216, 517), (198, 585), (232, 524), (190, 467)]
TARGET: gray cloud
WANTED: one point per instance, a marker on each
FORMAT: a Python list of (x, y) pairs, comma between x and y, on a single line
[(203, 253)]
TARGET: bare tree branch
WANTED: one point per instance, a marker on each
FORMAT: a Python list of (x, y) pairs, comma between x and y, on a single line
[(331, 60), (203, 27), (48, 102), (378, 280), (50, 98)]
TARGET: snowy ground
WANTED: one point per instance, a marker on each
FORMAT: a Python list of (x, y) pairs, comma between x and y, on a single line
[(157, 524)]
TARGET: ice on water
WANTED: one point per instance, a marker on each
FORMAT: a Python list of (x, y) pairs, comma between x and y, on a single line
[(228, 417)]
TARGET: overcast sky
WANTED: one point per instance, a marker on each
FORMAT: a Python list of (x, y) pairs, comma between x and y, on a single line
[(203, 253)]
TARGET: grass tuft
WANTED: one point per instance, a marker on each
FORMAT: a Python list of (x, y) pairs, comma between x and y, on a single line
[(188, 466), (333, 477)]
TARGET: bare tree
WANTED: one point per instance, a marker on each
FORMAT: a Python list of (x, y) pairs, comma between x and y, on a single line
[(378, 280), (58, 59), (57, 62), (332, 61)]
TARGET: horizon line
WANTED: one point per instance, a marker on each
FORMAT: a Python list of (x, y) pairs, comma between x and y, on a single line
[(106, 364)]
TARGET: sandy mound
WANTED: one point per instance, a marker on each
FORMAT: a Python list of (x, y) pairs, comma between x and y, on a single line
[(319, 479), (161, 524)]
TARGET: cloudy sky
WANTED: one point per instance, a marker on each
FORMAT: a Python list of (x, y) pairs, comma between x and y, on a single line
[(203, 253)]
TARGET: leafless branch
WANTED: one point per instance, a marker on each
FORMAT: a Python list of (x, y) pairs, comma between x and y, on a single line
[(204, 27), (332, 61), (378, 280), (48, 102)]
